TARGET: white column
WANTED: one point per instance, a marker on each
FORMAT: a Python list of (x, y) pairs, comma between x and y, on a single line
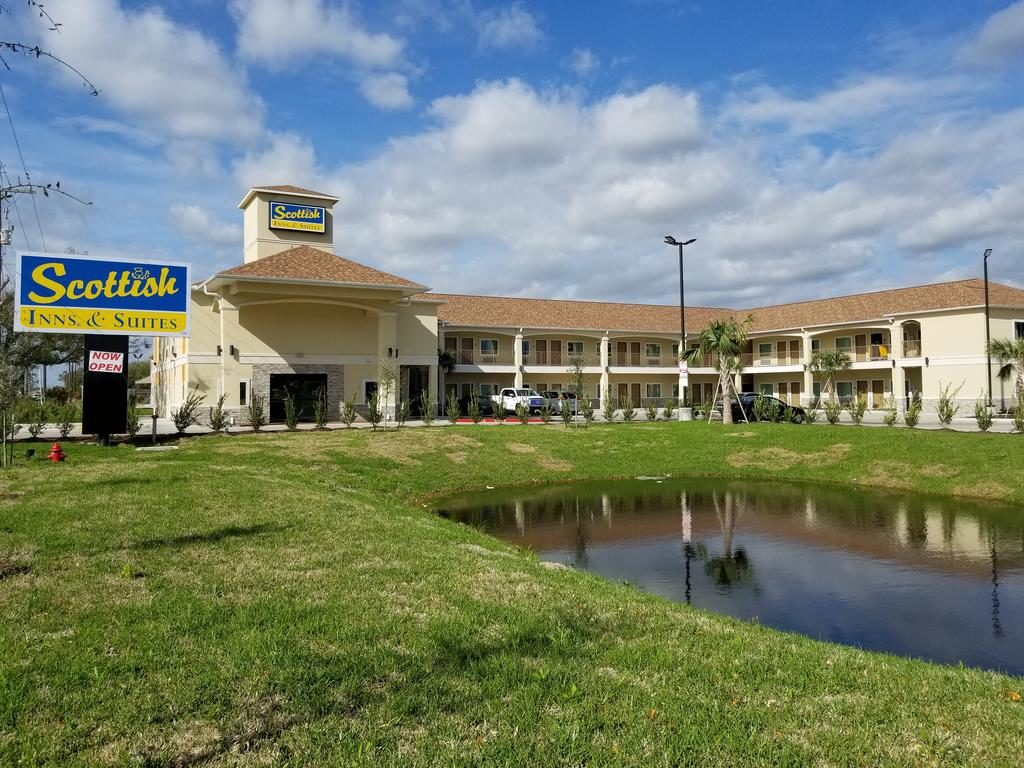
[(603, 387), (899, 375), (683, 381), (805, 359), (387, 347), (518, 361)]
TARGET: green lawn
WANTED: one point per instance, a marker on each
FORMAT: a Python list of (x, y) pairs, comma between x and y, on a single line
[(286, 599)]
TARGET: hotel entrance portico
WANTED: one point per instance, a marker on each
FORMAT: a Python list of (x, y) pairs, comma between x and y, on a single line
[(296, 320)]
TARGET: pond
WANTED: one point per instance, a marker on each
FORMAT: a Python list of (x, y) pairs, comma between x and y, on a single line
[(917, 576)]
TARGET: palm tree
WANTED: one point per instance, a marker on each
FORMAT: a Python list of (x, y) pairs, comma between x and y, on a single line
[(1010, 354), (829, 363), (724, 339)]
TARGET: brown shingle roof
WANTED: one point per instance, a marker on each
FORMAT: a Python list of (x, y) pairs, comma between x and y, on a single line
[(554, 313), (303, 262), (596, 315), (880, 304)]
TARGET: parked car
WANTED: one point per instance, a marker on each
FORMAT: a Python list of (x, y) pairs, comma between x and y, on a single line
[(556, 400), (507, 400), (749, 398), (486, 405)]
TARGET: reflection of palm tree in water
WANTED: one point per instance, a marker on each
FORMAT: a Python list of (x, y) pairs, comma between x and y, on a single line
[(580, 559), (731, 567)]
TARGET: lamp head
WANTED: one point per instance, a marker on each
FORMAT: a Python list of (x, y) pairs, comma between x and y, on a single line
[(988, 252), (669, 240)]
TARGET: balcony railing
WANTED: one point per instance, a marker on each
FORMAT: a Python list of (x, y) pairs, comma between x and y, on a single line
[(755, 359), (559, 359), (911, 347), (476, 357), (641, 360), (864, 354)]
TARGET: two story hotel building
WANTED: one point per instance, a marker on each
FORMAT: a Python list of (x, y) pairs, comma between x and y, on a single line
[(296, 318)]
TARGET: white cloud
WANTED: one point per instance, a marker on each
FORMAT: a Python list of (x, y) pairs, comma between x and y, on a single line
[(284, 159), (658, 120), (173, 79), (387, 91), (279, 34), (511, 26), (197, 223), (583, 62), (851, 102), (1000, 41)]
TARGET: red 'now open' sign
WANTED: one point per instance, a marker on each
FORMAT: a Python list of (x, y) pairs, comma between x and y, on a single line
[(106, 362)]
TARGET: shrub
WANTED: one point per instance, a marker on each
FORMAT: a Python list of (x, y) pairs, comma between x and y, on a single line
[(628, 411), (426, 408), (608, 410), (778, 412), (348, 412), (947, 407), (473, 410), (452, 407), (913, 414), (587, 408), (670, 408), (786, 414), (889, 413), (320, 411), (65, 417), (401, 413), (187, 414), (982, 414), (218, 419), (32, 414), (1018, 414), (651, 410), (813, 414), (257, 412), (760, 408), (375, 410), (565, 412), (833, 410), (133, 423), (857, 408), (546, 413), (523, 413), (291, 411)]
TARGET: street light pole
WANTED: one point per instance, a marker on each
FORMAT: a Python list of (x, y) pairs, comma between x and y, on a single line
[(988, 340), (669, 240)]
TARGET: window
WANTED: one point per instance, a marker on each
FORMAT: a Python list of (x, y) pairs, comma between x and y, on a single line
[(574, 348), (675, 389), (486, 390), (764, 353), (816, 391), (1018, 329), (768, 390), (654, 351), (844, 344), (554, 385), (845, 391), (526, 347), (243, 392), (489, 347), (815, 345), (654, 390)]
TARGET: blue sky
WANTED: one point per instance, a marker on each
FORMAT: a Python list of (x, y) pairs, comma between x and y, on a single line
[(541, 148)]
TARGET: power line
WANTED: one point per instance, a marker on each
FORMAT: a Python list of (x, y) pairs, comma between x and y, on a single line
[(24, 167)]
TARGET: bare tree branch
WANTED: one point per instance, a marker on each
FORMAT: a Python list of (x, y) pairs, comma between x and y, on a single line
[(34, 50)]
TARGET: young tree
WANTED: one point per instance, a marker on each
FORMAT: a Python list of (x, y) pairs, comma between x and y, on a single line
[(829, 363), (725, 340)]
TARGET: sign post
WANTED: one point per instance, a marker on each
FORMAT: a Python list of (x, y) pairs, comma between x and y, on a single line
[(106, 300)]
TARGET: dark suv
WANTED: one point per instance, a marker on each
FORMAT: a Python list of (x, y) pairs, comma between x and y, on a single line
[(799, 415)]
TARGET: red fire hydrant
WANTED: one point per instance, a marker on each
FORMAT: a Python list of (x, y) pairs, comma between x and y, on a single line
[(56, 454)]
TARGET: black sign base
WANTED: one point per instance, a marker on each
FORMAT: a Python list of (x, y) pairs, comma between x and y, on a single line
[(105, 393)]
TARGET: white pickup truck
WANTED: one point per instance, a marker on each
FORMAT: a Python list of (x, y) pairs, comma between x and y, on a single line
[(507, 400)]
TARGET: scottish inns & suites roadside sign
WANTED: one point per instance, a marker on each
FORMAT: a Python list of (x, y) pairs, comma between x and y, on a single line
[(65, 293)]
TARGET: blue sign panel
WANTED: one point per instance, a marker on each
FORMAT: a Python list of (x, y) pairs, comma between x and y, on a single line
[(305, 218), (64, 293)]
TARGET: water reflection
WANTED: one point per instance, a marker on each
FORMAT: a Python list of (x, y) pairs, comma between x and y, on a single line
[(911, 575)]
